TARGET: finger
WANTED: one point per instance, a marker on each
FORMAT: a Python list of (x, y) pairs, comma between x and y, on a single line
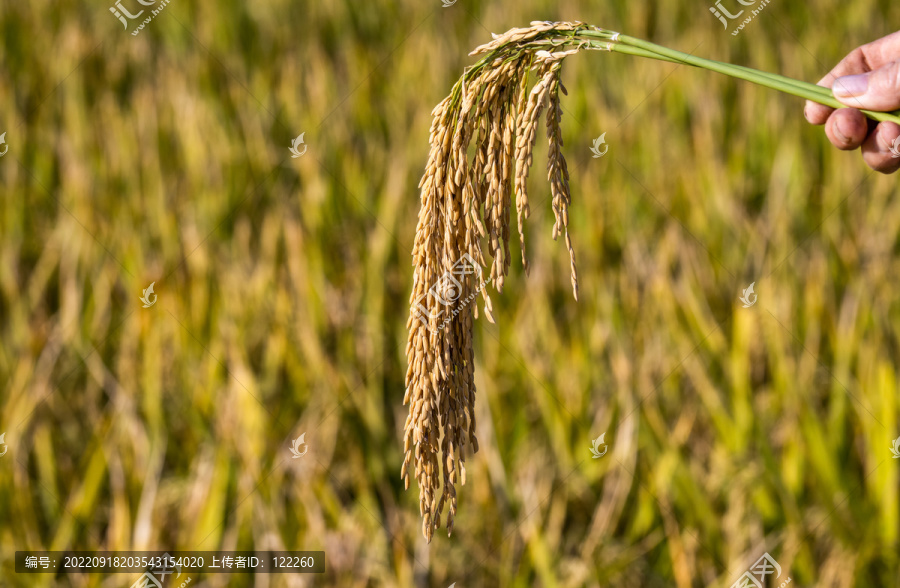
[(881, 151), (876, 90), (816, 113), (847, 128)]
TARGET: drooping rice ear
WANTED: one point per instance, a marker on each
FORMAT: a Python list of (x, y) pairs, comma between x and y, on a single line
[(464, 204)]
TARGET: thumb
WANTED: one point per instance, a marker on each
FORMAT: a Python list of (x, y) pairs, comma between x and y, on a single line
[(878, 89)]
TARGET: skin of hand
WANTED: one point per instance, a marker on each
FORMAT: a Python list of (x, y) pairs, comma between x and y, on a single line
[(868, 78)]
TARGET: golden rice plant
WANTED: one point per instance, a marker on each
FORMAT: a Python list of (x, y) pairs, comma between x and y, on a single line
[(495, 107)]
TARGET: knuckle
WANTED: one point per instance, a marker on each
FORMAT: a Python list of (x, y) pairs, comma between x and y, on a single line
[(888, 79)]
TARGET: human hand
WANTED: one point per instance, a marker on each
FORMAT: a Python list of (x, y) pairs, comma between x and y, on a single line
[(868, 78)]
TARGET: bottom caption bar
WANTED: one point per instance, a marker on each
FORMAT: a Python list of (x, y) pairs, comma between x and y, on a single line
[(160, 564)]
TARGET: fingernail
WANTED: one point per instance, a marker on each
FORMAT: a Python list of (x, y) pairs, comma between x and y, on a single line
[(849, 86)]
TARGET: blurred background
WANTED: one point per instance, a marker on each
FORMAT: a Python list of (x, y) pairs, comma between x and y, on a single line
[(283, 286)]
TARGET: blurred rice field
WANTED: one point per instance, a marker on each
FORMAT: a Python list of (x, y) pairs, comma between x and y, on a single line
[(282, 289)]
